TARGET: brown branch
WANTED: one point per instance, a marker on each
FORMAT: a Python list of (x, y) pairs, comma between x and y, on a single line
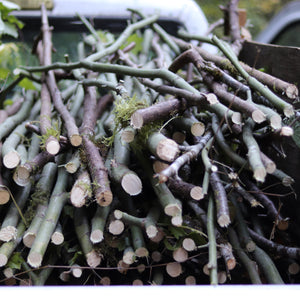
[(272, 82), (267, 203), (223, 217), (268, 245), (156, 112), (95, 163), (234, 25), (231, 100), (70, 124), (185, 190)]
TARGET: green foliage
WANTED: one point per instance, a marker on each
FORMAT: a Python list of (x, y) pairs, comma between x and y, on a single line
[(38, 197), (69, 211), (7, 102), (138, 40), (177, 232), (258, 12), (77, 255), (175, 236), (9, 24), (10, 52), (10, 59), (171, 245), (105, 37), (124, 107), (27, 84), (146, 130), (296, 135), (53, 131), (15, 261)]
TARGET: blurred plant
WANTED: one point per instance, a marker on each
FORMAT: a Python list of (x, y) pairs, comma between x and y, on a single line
[(9, 24), (10, 51), (259, 12)]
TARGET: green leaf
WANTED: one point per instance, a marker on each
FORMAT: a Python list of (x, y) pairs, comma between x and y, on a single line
[(296, 135), (13, 20), (198, 238), (69, 211), (138, 40), (27, 84), (2, 26), (75, 257), (10, 5), (169, 246), (15, 261), (7, 102), (9, 23), (177, 232), (4, 73), (10, 29), (105, 37), (10, 56)]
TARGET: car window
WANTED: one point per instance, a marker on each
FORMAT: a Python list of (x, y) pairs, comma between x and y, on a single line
[(289, 36)]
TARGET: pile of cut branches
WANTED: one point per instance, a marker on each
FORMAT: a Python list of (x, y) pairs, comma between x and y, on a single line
[(146, 162)]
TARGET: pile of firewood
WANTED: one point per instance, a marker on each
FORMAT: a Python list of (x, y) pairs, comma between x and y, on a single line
[(146, 163)]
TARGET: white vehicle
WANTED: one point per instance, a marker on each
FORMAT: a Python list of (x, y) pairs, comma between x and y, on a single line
[(284, 28), (110, 15)]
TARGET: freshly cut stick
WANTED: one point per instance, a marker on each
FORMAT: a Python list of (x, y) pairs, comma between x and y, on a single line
[(163, 147), (69, 121), (81, 189), (95, 163), (82, 229), (11, 157), (56, 204)]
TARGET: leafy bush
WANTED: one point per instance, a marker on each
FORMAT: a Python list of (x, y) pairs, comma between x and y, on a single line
[(9, 24)]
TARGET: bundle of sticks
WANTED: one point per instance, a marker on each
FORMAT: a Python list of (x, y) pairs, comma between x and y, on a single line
[(146, 162)]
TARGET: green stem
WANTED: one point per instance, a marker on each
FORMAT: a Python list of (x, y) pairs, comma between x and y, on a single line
[(98, 224), (7, 249), (10, 144), (242, 229), (268, 267), (224, 146), (8, 227), (56, 204), (254, 158), (36, 209), (246, 261), (280, 104), (89, 26), (205, 156), (82, 229), (212, 247), (122, 38), (170, 204), (162, 33), (188, 36), (11, 122), (121, 70), (138, 241)]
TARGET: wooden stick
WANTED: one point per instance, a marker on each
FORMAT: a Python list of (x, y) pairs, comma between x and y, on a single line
[(81, 190), (93, 258), (57, 237), (69, 121), (223, 217), (174, 269), (180, 255), (163, 147), (116, 227), (155, 112)]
